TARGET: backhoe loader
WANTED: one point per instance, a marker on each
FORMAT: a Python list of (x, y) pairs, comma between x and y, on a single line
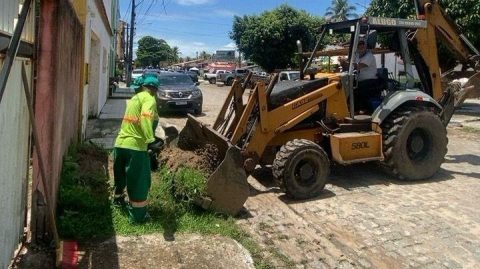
[(302, 127)]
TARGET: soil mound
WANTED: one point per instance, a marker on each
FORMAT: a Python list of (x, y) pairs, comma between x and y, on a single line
[(205, 159)]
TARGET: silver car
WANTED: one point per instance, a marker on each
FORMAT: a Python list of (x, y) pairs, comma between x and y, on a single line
[(178, 92)]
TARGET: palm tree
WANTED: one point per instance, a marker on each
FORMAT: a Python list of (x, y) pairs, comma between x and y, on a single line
[(175, 53), (340, 10)]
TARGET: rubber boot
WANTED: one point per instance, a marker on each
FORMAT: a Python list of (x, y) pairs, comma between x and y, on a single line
[(137, 214), (119, 200)]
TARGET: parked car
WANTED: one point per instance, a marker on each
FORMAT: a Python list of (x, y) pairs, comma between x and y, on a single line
[(152, 71), (228, 77), (136, 73), (212, 77), (289, 75), (192, 75), (177, 92)]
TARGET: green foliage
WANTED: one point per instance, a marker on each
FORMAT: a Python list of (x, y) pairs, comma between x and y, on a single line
[(466, 13), (83, 193), (269, 39), (85, 211), (151, 51), (340, 10)]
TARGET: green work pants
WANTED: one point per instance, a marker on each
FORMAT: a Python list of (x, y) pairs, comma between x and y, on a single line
[(131, 169)]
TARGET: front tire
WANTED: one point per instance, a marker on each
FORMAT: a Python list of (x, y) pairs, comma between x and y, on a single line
[(212, 81), (197, 111), (229, 82), (415, 143), (302, 167)]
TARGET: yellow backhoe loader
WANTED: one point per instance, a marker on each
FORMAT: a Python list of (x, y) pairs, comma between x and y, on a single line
[(302, 127)]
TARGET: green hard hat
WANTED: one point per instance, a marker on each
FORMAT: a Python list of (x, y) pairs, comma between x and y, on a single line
[(137, 83), (151, 81)]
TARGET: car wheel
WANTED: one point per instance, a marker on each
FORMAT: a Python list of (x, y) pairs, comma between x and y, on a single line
[(212, 81), (197, 111)]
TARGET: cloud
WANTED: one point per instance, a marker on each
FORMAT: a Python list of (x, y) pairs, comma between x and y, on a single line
[(194, 2), (188, 48), (230, 45), (224, 12)]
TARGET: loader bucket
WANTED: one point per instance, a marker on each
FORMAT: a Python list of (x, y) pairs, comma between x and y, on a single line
[(227, 187), (471, 89)]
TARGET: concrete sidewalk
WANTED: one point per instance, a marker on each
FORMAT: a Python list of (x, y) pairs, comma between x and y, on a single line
[(103, 130)]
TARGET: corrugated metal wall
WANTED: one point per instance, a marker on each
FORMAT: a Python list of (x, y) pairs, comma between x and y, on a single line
[(60, 58), (14, 134), (9, 10), (14, 140)]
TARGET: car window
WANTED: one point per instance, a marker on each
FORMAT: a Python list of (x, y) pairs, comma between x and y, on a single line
[(137, 71), (179, 79), (283, 76), (294, 76)]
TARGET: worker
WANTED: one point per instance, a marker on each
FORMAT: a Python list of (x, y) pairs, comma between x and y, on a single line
[(367, 88), (131, 164)]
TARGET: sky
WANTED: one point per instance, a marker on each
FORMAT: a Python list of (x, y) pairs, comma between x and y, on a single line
[(204, 25)]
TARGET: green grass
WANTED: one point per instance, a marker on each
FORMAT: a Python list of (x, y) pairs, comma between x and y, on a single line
[(85, 211)]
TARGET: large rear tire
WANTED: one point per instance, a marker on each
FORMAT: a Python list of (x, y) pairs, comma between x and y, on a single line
[(414, 143), (302, 168)]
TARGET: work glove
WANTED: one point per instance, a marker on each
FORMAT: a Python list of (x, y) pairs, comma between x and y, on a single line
[(156, 146)]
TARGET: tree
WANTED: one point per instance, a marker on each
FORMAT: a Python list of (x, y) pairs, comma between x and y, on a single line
[(465, 13), (151, 51), (204, 55), (175, 54), (340, 10), (269, 39)]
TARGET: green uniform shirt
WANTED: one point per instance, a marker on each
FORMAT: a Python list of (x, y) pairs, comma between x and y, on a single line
[(137, 129)]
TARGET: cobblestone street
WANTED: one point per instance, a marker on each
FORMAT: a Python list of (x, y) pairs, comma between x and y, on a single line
[(366, 219)]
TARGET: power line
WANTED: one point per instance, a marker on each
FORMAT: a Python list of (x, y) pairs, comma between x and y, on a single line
[(128, 9), (161, 29), (146, 12)]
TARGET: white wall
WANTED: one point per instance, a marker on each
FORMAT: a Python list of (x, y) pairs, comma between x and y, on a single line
[(95, 25)]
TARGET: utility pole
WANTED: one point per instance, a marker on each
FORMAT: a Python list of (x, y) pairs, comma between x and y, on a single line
[(126, 45), (130, 55)]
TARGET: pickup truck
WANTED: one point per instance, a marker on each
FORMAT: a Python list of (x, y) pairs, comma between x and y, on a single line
[(228, 77), (212, 77), (289, 75)]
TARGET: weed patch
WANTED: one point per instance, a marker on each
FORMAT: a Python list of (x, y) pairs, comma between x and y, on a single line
[(85, 211)]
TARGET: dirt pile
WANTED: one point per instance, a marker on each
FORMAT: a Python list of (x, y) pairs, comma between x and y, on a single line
[(205, 159)]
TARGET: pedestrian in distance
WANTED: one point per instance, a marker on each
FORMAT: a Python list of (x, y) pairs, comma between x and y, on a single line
[(131, 164)]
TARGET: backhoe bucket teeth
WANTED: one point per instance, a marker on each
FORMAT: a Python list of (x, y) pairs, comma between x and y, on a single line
[(227, 186)]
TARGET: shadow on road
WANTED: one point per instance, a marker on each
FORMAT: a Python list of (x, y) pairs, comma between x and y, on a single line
[(464, 158), (349, 178)]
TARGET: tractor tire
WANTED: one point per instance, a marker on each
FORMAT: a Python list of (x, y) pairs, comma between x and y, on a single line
[(414, 143), (212, 81), (302, 167)]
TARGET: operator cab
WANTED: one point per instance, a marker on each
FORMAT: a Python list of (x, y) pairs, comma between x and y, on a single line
[(391, 33)]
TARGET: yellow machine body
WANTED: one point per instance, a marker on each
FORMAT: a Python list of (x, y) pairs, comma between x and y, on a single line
[(355, 147)]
